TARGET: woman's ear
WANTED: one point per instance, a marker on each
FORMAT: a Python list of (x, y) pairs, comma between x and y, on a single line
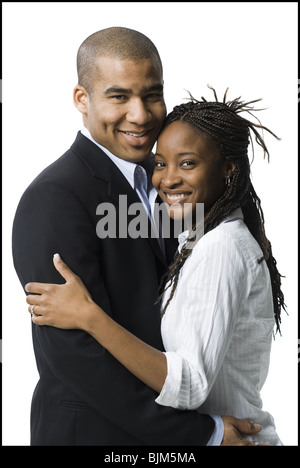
[(229, 168), (81, 99)]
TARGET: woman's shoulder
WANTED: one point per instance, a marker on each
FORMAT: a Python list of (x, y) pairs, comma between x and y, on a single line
[(233, 237)]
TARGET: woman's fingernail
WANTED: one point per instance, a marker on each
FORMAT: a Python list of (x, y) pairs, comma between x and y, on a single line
[(258, 427), (56, 256)]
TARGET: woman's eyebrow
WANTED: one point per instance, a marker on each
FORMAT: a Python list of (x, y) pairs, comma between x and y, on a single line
[(187, 153)]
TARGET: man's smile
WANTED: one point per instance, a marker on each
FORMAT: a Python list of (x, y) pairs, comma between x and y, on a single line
[(137, 138)]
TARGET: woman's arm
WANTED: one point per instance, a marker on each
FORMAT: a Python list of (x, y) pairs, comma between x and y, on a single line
[(145, 362), (70, 306)]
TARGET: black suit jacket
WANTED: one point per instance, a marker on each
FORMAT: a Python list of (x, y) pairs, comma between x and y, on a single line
[(84, 396)]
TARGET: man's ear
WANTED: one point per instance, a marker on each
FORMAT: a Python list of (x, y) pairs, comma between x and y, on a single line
[(81, 99)]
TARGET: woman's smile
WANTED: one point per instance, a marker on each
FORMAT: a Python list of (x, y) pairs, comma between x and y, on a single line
[(176, 197)]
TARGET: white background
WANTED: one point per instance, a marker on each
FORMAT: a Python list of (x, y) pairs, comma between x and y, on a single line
[(249, 47)]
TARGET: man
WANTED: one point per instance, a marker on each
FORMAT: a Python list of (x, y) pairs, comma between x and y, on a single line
[(84, 396)]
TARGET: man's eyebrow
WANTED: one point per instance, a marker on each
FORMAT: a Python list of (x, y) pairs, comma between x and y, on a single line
[(156, 87), (117, 90)]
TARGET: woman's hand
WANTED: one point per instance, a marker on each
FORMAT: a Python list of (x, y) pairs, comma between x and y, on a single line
[(70, 306), (60, 305)]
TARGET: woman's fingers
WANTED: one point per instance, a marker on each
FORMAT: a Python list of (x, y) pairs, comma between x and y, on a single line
[(63, 268), (37, 288), (35, 302), (39, 315), (58, 304), (33, 299), (38, 320), (34, 309)]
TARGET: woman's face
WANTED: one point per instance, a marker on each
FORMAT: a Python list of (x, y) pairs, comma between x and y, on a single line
[(188, 169)]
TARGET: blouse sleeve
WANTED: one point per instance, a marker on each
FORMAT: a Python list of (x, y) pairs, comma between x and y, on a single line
[(211, 293)]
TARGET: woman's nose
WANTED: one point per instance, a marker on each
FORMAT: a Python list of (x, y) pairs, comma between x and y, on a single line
[(171, 178)]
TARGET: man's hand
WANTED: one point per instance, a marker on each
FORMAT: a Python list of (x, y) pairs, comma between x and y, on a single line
[(234, 429)]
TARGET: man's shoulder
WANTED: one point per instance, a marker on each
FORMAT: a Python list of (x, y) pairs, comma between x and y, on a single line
[(69, 170), (67, 174), (63, 169), (81, 161)]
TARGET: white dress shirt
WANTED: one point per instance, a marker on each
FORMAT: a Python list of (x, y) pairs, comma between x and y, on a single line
[(217, 329)]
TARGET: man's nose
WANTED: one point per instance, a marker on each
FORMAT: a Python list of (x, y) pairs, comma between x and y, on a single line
[(138, 112)]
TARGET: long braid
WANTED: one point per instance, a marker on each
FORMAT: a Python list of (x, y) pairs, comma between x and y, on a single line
[(222, 122)]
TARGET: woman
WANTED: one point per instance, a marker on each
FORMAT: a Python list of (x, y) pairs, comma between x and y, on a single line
[(222, 294)]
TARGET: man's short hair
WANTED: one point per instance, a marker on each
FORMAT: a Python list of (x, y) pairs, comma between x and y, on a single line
[(118, 42)]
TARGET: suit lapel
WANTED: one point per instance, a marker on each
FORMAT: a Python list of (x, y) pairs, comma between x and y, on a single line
[(101, 167)]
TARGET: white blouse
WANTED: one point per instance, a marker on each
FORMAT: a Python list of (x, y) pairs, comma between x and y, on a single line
[(217, 330)]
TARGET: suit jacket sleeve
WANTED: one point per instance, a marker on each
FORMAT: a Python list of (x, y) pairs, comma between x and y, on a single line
[(42, 227)]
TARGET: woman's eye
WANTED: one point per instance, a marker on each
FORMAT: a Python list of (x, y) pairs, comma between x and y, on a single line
[(159, 164), (187, 163)]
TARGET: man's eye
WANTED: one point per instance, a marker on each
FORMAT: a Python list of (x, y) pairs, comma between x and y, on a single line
[(119, 97), (154, 96)]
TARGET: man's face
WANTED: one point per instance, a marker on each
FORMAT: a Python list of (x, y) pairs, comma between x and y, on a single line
[(126, 108)]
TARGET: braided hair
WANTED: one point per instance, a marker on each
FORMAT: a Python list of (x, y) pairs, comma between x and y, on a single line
[(223, 124)]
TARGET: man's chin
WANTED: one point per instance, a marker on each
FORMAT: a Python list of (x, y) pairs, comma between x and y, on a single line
[(138, 155)]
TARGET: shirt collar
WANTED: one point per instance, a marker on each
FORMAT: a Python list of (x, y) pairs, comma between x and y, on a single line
[(183, 237), (126, 167)]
